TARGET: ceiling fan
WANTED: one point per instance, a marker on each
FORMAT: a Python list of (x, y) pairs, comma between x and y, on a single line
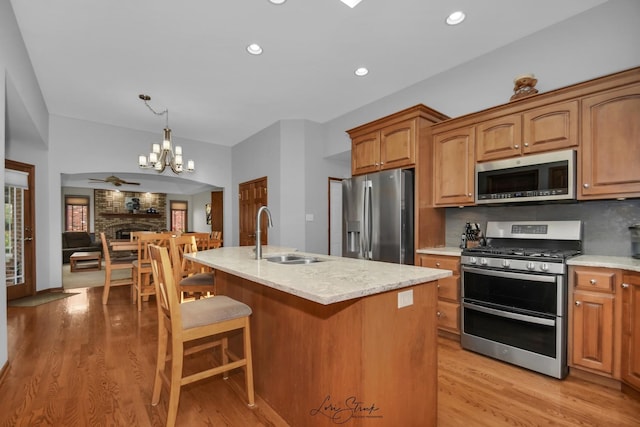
[(114, 180)]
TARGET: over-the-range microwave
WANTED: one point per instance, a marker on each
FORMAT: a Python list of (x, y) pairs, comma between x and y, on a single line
[(532, 178)]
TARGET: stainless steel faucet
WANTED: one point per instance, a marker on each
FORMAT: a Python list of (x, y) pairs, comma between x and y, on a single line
[(258, 232)]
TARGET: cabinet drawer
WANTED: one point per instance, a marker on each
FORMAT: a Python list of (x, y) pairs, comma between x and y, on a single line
[(449, 288), (599, 281), (449, 316), (443, 262)]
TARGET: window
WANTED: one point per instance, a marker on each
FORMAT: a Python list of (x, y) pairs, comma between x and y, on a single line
[(76, 213), (178, 215)]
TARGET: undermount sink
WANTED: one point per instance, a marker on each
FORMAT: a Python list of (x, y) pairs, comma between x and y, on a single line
[(292, 259)]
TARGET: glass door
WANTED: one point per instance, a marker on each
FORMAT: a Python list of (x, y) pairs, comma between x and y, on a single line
[(18, 230)]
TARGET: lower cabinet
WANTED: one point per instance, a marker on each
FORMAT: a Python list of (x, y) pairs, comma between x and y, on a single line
[(448, 291), (604, 323), (630, 363)]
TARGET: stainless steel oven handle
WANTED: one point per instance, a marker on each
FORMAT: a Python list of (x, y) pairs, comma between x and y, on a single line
[(511, 274), (510, 315)]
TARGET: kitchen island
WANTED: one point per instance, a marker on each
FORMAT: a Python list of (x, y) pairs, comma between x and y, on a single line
[(340, 341)]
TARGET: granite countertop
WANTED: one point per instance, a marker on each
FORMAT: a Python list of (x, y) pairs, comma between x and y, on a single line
[(624, 263), (444, 250), (333, 280)]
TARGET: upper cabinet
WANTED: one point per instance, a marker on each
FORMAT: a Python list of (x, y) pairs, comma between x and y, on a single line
[(547, 128), (391, 142), (599, 119), (610, 144), (454, 167)]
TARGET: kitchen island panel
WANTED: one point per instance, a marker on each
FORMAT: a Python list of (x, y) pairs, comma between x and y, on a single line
[(360, 362)]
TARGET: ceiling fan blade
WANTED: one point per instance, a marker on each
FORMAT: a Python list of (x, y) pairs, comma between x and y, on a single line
[(130, 183)]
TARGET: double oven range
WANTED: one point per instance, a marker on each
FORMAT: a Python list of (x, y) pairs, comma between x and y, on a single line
[(515, 293)]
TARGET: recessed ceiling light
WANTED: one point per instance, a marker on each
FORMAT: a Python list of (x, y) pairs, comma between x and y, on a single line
[(351, 3), (254, 49), (456, 17), (361, 72), (277, 1)]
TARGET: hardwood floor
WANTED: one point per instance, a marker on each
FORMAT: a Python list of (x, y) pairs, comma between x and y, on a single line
[(75, 362)]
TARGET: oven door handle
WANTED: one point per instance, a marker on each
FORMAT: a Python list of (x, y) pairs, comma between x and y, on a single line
[(510, 274), (509, 314)]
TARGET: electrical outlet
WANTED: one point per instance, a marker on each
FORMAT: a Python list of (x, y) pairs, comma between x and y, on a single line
[(405, 298)]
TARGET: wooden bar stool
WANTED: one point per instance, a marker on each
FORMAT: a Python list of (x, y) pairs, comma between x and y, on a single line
[(194, 320)]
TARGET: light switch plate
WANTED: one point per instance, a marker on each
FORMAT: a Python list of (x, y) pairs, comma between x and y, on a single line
[(405, 298)]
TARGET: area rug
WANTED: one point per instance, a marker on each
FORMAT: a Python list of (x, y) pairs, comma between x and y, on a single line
[(88, 279), (38, 299)]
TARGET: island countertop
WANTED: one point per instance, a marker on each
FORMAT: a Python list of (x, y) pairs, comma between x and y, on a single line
[(335, 279)]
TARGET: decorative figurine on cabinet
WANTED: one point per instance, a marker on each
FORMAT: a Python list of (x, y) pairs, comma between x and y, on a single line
[(524, 86)]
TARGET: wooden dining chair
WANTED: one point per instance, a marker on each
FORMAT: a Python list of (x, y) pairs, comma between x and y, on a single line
[(191, 278), (142, 286), (216, 239), (203, 240), (112, 264), (215, 318)]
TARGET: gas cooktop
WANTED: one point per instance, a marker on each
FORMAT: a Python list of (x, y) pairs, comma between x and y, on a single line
[(560, 254)]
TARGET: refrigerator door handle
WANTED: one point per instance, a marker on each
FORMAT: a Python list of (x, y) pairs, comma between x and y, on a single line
[(368, 221)]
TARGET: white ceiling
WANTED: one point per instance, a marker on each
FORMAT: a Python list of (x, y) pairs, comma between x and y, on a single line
[(92, 58)]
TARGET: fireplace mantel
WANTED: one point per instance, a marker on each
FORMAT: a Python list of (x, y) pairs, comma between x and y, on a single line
[(130, 215)]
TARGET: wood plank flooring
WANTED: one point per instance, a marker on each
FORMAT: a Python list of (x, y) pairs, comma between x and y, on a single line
[(75, 362)]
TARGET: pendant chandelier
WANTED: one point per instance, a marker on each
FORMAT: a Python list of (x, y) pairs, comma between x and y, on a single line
[(163, 155)]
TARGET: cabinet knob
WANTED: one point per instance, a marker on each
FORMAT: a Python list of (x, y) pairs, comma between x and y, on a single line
[(437, 264), (625, 286), (439, 314), (593, 281), (585, 185), (516, 146), (578, 303), (469, 194), (526, 144)]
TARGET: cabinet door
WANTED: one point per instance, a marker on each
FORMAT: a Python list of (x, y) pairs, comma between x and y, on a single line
[(630, 367), (365, 153), (499, 138), (552, 127), (454, 167), (398, 145), (611, 144), (593, 331)]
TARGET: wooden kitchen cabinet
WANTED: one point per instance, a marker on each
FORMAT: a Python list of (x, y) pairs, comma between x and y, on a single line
[(610, 152), (630, 363), (547, 128), (593, 329), (392, 141), (454, 167), (448, 291), (391, 147)]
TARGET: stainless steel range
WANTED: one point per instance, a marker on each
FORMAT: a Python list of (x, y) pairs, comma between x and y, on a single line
[(514, 293)]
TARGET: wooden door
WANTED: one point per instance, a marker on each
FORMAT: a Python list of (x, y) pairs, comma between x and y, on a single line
[(252, 195), (365, 153), (454, 167), (499, 138), (630, 367), (20, 244), (217, 210), (610, 144), (552, 127), (398, 145)]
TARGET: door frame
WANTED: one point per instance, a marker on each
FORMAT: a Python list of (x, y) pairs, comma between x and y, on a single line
[(28, 288)]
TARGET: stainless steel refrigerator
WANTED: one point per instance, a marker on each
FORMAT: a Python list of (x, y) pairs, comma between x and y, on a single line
[(377, 216)]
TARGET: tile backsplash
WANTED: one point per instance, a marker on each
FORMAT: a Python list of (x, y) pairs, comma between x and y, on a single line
[(605, 223)]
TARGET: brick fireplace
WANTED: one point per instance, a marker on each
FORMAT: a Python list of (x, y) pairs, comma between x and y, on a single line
[(116, 219)]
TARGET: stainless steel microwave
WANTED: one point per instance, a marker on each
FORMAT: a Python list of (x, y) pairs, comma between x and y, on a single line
[(533, 178)]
